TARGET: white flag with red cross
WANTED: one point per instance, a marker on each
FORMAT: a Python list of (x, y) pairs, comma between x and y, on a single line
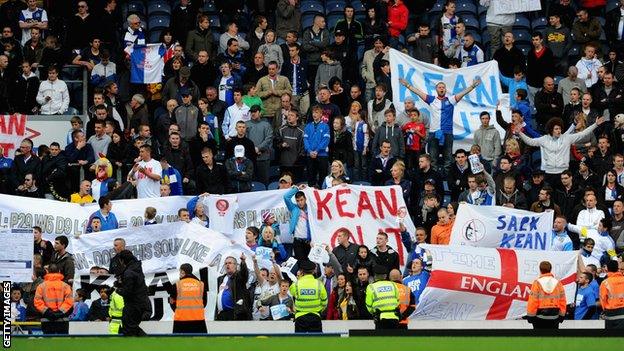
[(474, 283)]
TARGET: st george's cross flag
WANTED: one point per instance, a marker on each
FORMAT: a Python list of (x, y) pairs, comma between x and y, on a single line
[(146, 63), (474, 283)]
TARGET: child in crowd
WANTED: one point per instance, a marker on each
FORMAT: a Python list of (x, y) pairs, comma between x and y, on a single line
[(415, 133), (81, 310), (268, 220), (150, 216)]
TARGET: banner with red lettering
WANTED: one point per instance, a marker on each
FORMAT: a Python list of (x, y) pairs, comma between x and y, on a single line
[(474, 283), (363, 211)]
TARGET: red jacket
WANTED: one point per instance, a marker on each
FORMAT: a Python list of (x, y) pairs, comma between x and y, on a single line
[(397, 18), (590, 4)]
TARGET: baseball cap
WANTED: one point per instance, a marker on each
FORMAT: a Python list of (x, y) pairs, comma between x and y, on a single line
[(185, 91), (239, 151), (430, 181), (286, 179), (339, 32)]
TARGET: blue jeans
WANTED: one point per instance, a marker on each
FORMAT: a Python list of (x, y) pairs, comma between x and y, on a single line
[(446, 150)]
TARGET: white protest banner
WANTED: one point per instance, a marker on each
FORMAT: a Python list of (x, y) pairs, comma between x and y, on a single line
[(425, 76), (62, 218), (474, 283), (159, 247), (497, 226), (515, 6), (17, 127), (221, 210), (362, 211), (251, 207), (16, 258)]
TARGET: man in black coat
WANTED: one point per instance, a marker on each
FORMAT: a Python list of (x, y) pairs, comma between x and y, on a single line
[(131, 286), (53, 173), (233, 299), (380, 166), (211, 176), (24, 163)]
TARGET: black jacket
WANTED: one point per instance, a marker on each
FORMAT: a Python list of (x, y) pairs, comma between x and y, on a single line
[(196, 145), (53, 172), (98, 310), (458, 180), (237, 284), (132, 284), (20, 168), (213, 181), (508, 59), (341, 148), (25, 94), (543, 103), (179, 159), (378, 173)]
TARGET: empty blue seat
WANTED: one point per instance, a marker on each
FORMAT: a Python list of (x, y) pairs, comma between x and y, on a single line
[(158, 7), (159, 22), (257, 186), (308, 7), (438, 7), (471, 23), (307, 21), (332, 20), (215, 21), (335, 6), (154, 35), (466, 8), (135, 6), (358, 6), (524, 48), (522, 37), (273, 186), (521, 22), (210, 8), (539, 23)]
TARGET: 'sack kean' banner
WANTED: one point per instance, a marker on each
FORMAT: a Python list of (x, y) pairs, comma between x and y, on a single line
[(425, 76), (363, 211), (504, 227), (472, 283)]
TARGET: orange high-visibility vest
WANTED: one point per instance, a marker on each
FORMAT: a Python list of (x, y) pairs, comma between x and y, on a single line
[(53, 294), (189, 302), (404, 300), (612, 296), (547, 293)]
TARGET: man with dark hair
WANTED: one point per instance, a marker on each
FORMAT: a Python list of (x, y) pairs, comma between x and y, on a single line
[(424, 45), (131, 286), (540, 64), (53, 95), (200, 38), (233, 299), (611, 300), (296, 70), (42, 246), (585, 297), (545, 202), (63, 259), (107, 218), (458, 174), (299, 226), (380, 166), (270, 89), (546, 307), (147, 173)]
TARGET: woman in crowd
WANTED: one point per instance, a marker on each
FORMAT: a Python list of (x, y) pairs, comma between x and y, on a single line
[(347, 308), (335, 296), (337, 172), (611, 190), (398, 172), (267, 239)]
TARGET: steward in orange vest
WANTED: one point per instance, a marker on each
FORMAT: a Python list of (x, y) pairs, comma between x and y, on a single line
[(407, 302), (53, 299), (188, 299), (612, 297), (547, 302)]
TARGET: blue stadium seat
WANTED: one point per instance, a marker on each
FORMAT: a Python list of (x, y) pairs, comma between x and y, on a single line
[(358, 7), (602, 21), (136, 6), (335, 6), (215, 21), (307, 21), (539, 23), (611, 5), (332, 20), (160, 7), (522, 37), (360, 17), (154, 35), (466, 8), (210, 8), (438, 7), (522, 22), (257, 186), (483, 23), (524, 48), (471, 22), (482, 10), (273, 186), (159, 22), (308, 7)]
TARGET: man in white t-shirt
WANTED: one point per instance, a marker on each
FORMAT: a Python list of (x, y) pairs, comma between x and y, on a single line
[(146, 172)]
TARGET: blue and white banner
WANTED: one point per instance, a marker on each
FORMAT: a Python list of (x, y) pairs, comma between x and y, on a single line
[(425, 76), (502, 227), (147, 63)]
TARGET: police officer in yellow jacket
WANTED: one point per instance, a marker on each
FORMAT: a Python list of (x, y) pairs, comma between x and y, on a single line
[(310, 299), (115, 311), (382, 300)]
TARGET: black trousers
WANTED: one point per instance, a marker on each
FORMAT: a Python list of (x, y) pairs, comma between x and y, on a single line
[(130, 320), (301, 248), (308, 323), (614, 324), (539, 323), (55, 328), (386, 324), (317, 170), (189, 327)]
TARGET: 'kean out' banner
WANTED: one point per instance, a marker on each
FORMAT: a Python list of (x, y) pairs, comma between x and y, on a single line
[(497, 226), (473, 283), (361, 210), (425, 76)]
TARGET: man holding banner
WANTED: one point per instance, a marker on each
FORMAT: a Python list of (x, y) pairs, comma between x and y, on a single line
[(441, 125)]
